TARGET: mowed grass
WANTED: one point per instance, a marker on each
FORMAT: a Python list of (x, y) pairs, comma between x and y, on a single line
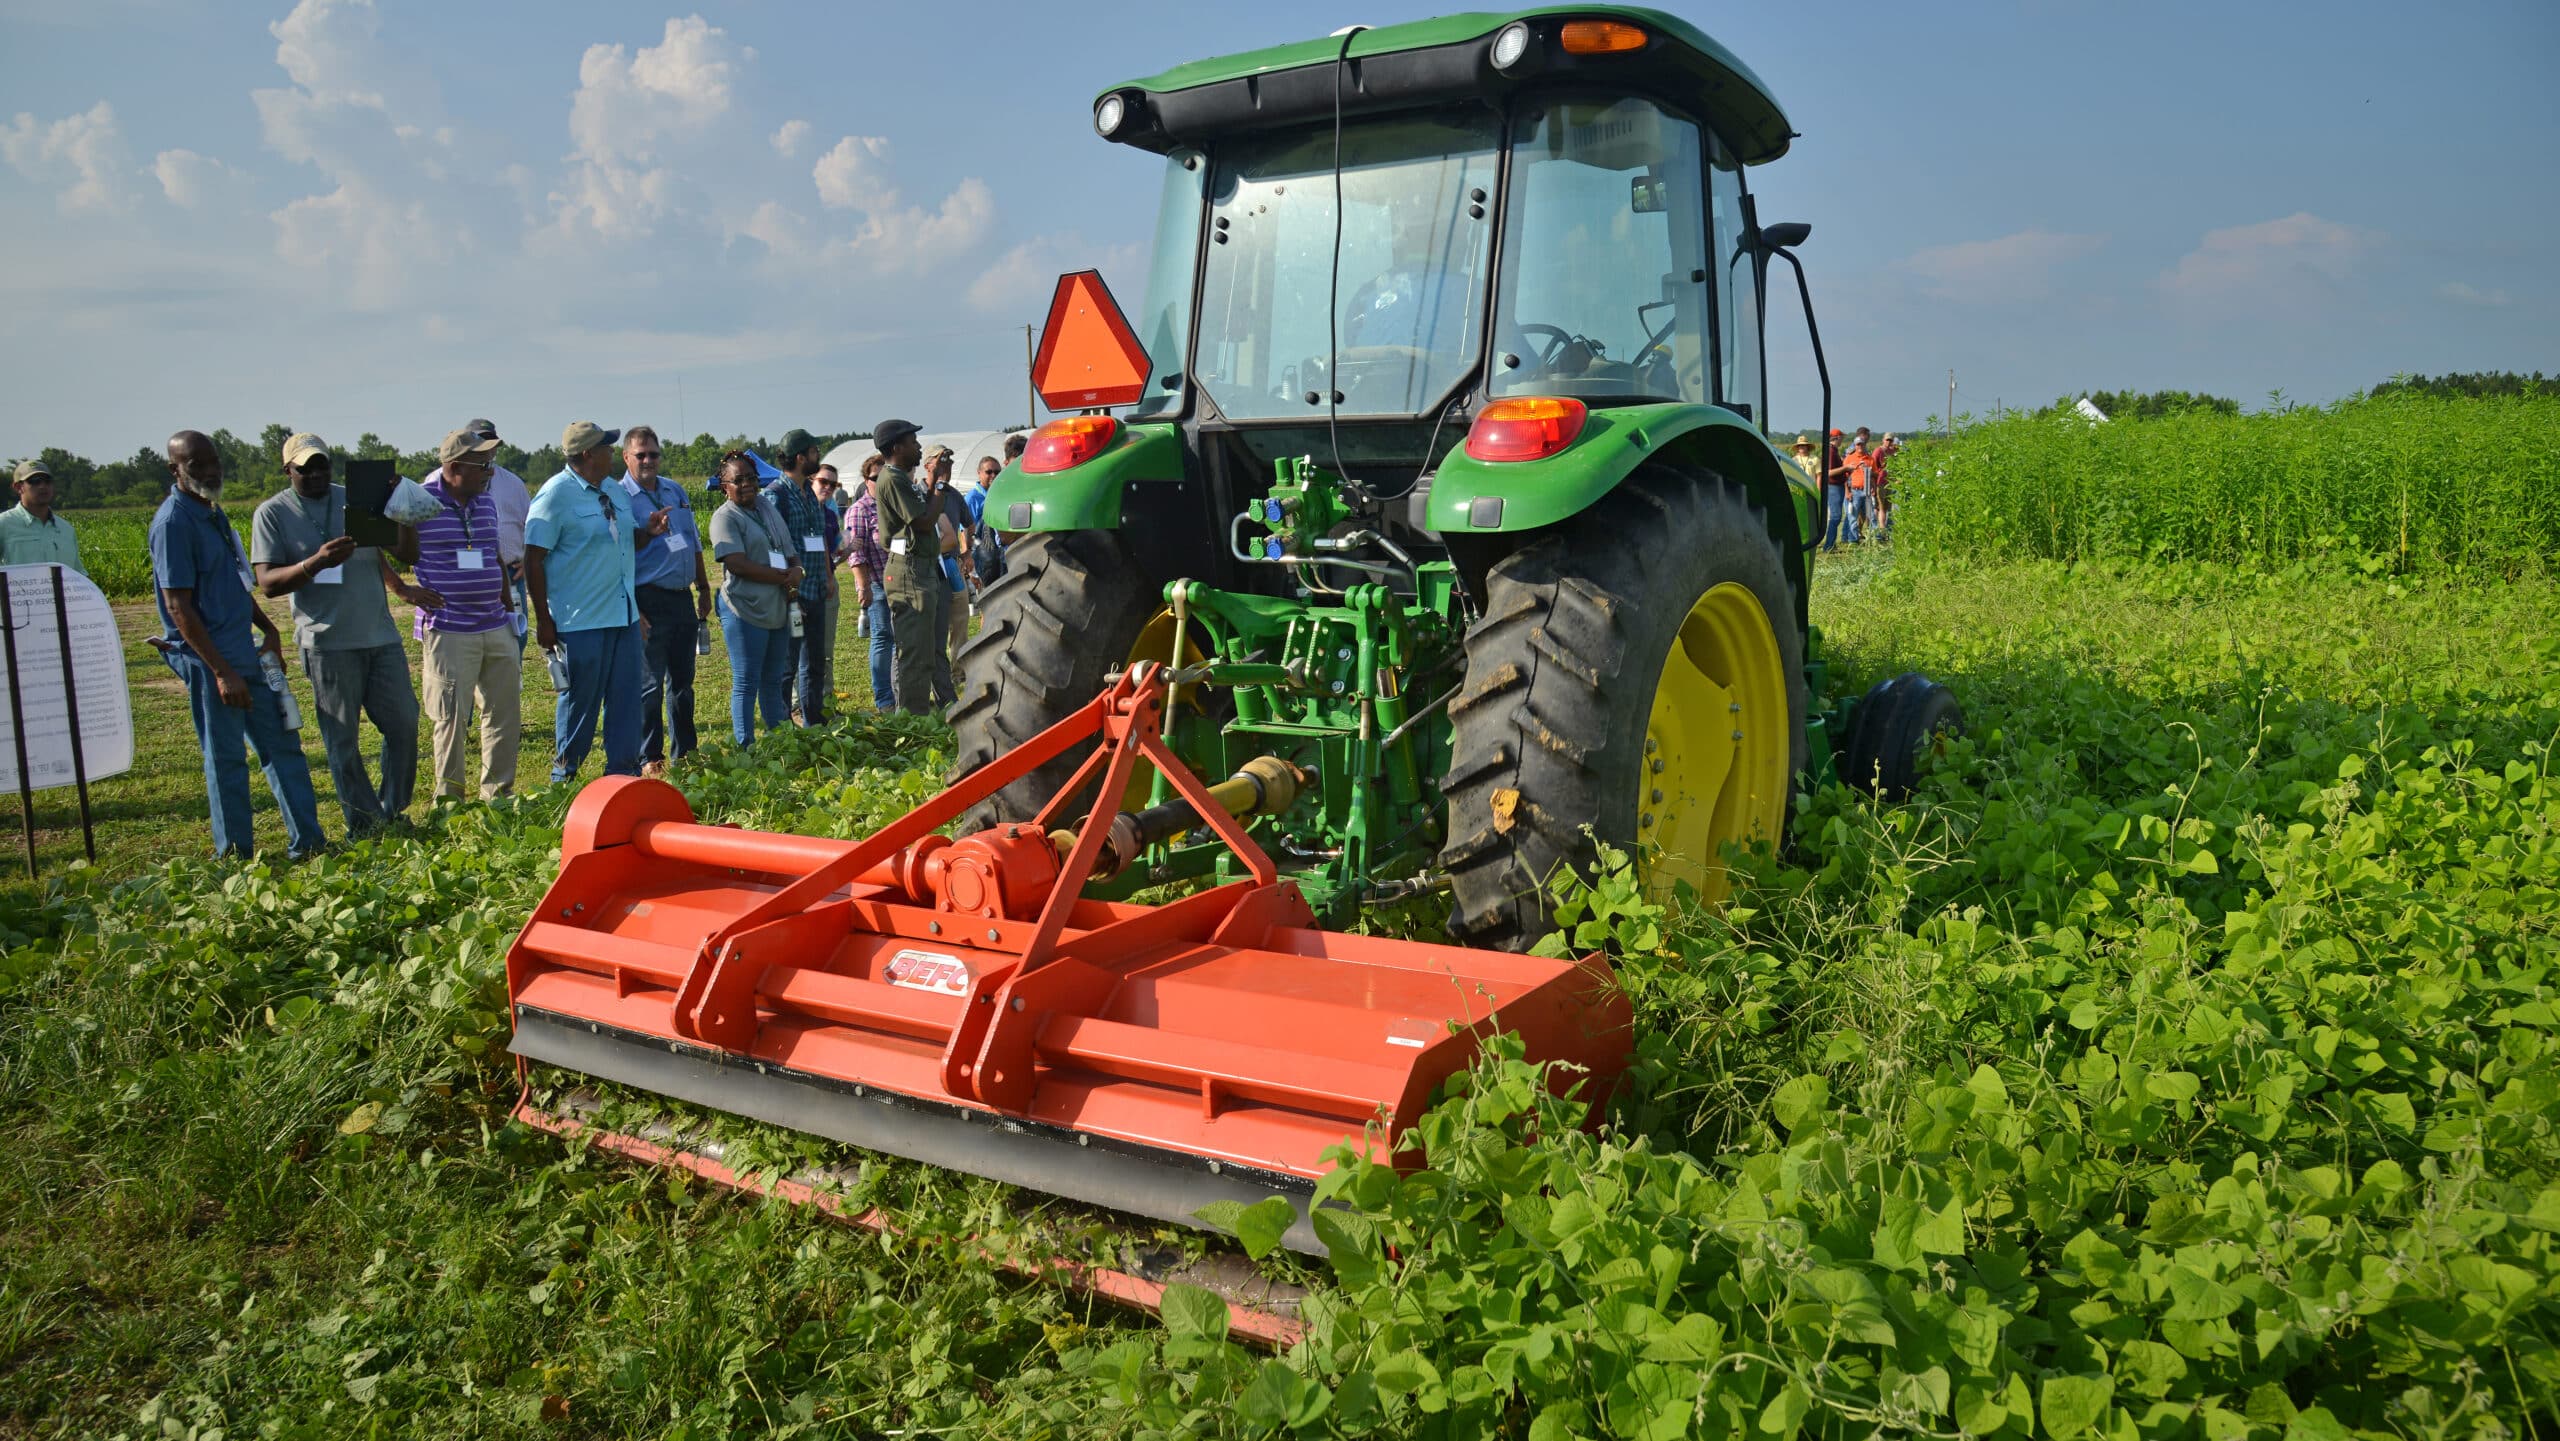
[(255, 1174)]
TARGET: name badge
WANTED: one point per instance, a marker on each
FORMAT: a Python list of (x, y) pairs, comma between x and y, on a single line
[(332, 576), (812, 544), (898, 546), (469, 560), (675, 541), (777, 560)]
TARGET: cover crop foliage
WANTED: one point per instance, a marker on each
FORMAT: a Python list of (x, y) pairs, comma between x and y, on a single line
[(2420, 482), (2182, 1062)]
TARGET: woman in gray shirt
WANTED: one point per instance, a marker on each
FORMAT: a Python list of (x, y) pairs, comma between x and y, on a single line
[(758, 570)]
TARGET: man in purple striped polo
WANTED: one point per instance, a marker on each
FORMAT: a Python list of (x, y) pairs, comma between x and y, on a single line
[(465, 614)]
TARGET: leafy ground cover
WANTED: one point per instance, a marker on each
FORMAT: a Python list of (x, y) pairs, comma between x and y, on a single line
[(2178, 1063), (2412, 482)]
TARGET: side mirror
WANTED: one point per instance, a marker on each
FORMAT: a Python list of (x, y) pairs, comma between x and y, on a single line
[(1784, 236)]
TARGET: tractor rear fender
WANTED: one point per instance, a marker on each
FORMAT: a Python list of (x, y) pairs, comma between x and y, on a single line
[(1486, 501), (1087, 497)]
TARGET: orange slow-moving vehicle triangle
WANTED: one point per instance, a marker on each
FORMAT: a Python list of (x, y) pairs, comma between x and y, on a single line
[(1088, 355)]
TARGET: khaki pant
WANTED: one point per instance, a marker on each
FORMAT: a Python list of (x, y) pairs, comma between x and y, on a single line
[(462, 666), (915, 622)]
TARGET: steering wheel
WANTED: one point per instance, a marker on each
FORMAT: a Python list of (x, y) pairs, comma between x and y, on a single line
[(1557, 338)]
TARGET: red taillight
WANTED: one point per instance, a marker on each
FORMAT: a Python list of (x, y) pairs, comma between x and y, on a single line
[(1067, 443), (1532, 427)]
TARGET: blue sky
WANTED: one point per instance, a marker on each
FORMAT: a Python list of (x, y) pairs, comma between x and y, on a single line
[(740, 217)]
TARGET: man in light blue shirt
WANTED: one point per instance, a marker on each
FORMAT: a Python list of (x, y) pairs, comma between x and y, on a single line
[(578, 575), (666, 562)]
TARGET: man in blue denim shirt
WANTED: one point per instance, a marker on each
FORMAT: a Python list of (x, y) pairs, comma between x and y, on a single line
[(207, 615), (801, 510), (578, 552), (663, 566)]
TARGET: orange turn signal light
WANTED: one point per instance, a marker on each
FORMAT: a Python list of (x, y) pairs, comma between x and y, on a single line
[(1531, 427), (1067, 442), (1601, 37)]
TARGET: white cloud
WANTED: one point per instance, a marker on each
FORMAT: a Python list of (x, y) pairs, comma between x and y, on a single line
[(2017, 267), (2461, 294), (331, 49), (848, 176), (192, 181), (631, 111), (628, 103), (793, 134), (85, 154), (1022, 280), (2272, 259)]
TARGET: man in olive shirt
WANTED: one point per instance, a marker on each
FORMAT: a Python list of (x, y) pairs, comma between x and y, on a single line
[(30, 533), (907, 522), (299, 544)]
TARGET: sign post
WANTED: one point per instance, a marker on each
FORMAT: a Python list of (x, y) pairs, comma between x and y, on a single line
[(70, 717)]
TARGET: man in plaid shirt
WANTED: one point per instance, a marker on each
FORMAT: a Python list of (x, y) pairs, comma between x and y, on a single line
[(794, 496), (869, 562)]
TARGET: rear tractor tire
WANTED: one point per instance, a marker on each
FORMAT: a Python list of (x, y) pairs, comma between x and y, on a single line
[(1068, 610), (1638, 672)]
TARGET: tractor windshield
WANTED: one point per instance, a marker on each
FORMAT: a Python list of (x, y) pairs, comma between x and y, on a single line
[(1604, 291), (1409, 286)]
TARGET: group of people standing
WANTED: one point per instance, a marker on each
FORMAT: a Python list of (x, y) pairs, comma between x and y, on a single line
[(609, 575), (1856, 485)]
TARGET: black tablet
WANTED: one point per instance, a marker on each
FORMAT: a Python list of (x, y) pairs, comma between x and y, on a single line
[(369, 487)]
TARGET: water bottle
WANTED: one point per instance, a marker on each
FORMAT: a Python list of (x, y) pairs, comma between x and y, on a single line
[(702, 638), (273, 669), (559, 657), (794, 607)]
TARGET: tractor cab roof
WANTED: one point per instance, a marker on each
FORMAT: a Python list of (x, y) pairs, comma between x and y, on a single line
[(1452, 58)]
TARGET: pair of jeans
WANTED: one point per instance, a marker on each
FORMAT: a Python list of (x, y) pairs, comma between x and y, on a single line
[(604, 681), (220, 729), (348, 687), (666, 680), (813, 657), (884, 651), (1835, 510), (759, 672)]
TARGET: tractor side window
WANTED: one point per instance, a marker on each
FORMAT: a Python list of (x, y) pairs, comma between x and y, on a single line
[(1602, 292), (1409, 290), (1164, 322), (1738, 271)]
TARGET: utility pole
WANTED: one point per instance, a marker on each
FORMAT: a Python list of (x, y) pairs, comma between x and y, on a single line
[(1950, 427), (1030, 382)]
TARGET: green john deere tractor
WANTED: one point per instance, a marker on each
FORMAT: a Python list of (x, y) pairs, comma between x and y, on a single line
[(1448, 483)]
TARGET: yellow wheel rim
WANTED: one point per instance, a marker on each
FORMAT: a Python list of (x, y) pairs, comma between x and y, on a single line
[(1715, 746), (1155, 643)]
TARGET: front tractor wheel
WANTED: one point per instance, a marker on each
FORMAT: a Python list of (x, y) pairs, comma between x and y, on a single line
[(1638, 672), (1070, 608)]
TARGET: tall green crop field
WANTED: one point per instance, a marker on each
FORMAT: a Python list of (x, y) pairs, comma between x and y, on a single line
[(2429, 484)]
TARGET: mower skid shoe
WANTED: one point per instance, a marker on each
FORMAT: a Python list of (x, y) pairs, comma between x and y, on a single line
[(1096, 1171)]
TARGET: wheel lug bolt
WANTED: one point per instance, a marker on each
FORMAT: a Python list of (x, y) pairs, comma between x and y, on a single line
[(1657, 767), (1647, 821), (1733, 708), (1657, 795), (1737, 735)]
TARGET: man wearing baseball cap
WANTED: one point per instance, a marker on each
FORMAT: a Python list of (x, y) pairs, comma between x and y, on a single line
[(813, 647), (468, 623), (513, 501), (301, 552), (907, 521), (30, 533), (580, 588)]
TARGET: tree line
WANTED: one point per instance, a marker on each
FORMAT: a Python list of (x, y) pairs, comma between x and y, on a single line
[(255, 467)]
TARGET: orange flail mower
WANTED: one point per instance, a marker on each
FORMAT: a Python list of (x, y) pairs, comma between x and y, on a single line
[(959, 1002)]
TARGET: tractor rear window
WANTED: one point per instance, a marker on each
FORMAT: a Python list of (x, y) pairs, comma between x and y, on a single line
[(1604, 286), (1416, 197)]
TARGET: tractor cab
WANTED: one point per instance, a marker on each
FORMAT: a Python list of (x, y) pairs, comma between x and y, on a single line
[(1364, 242)]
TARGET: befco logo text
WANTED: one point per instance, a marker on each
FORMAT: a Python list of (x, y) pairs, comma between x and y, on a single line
[(928, 971)]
